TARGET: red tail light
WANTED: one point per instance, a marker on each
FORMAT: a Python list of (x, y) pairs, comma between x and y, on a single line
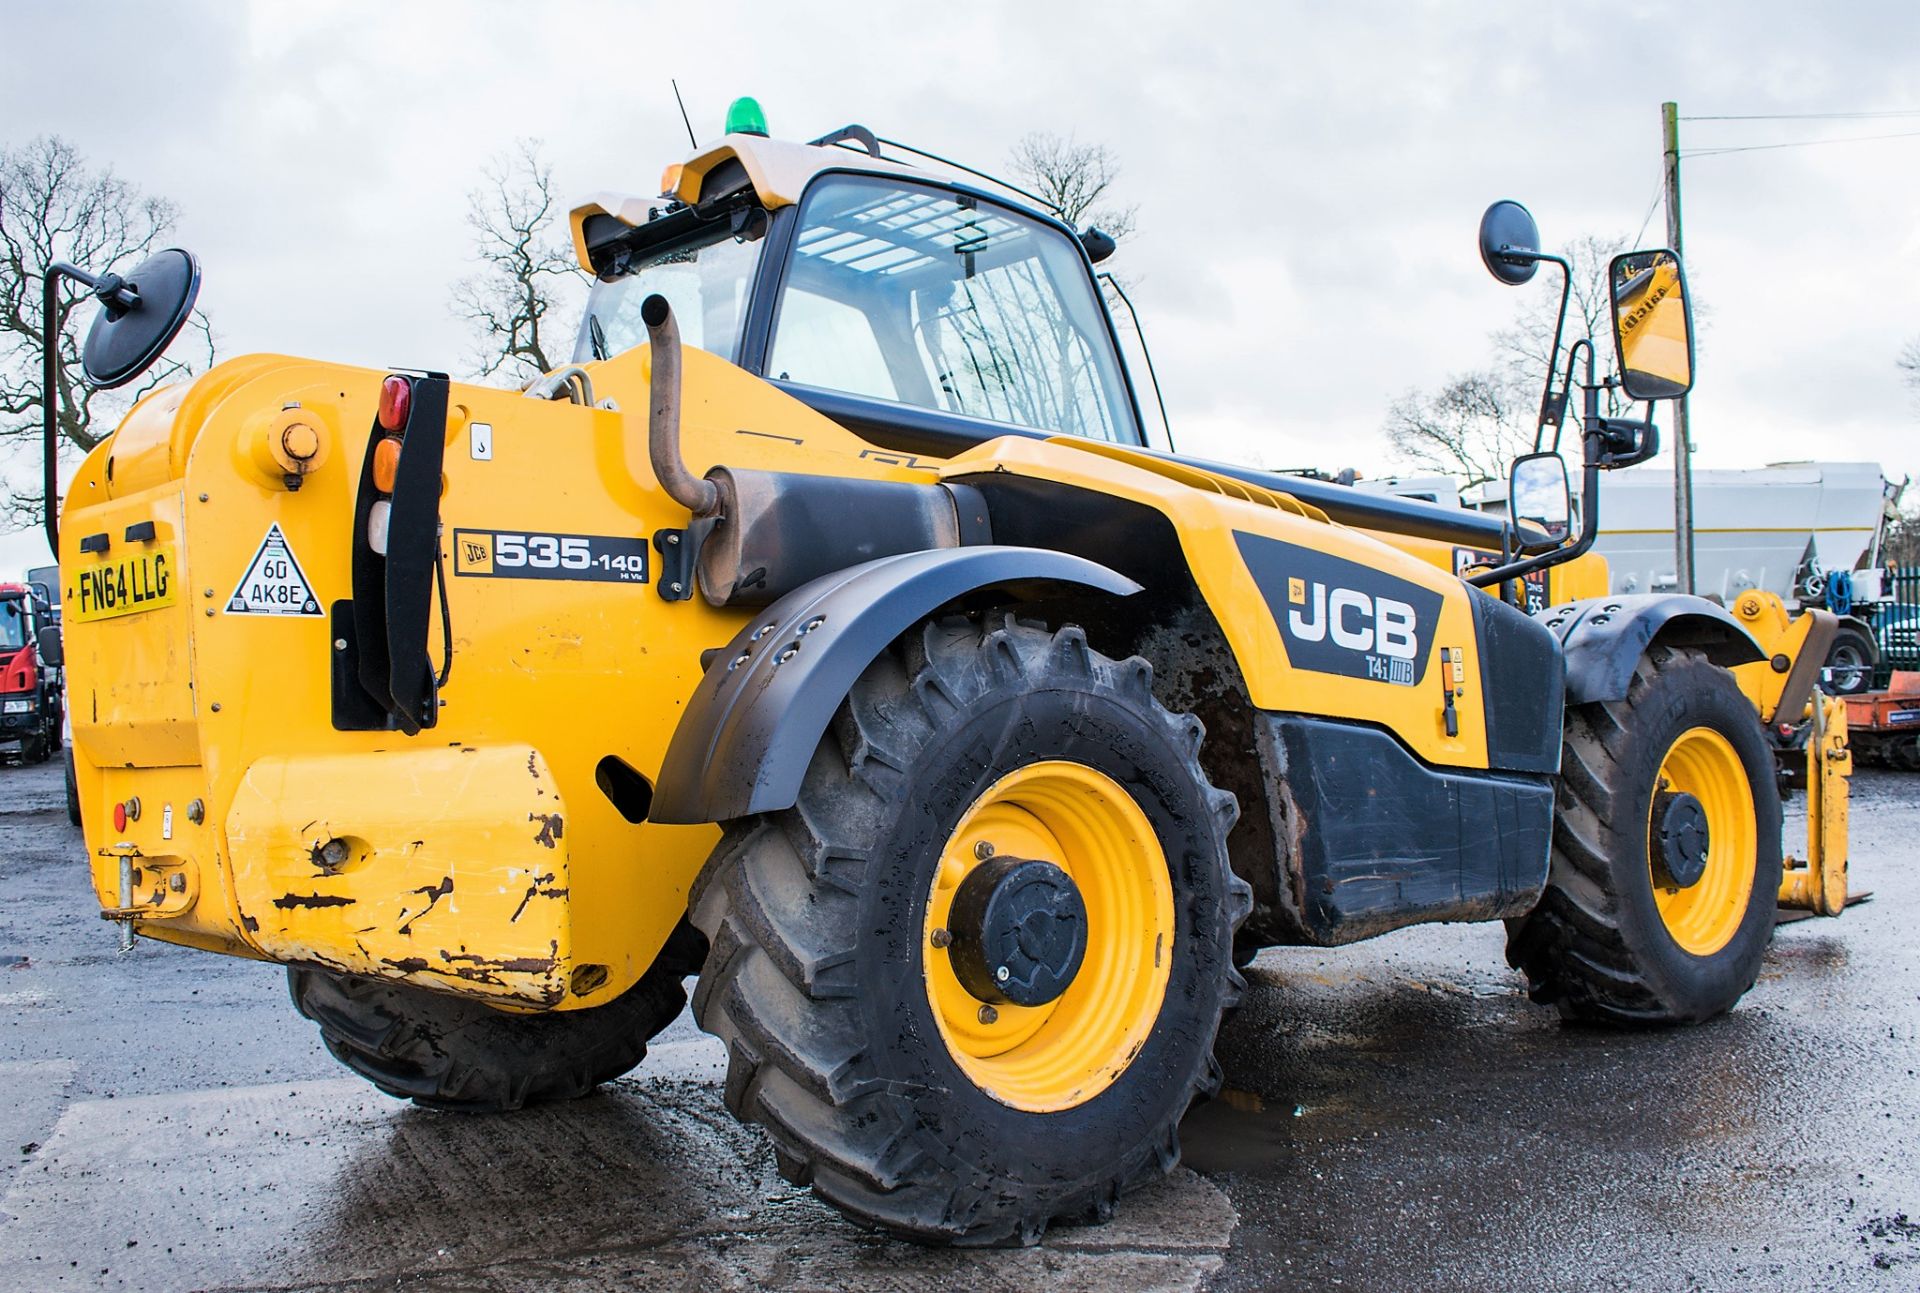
[(396, 399), (119, 817)]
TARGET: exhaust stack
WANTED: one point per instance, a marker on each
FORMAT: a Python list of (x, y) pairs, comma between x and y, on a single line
[(699, 496)]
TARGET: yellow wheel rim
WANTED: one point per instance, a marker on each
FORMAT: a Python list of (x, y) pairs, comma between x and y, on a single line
[(1058, 1055), (1704, 917)]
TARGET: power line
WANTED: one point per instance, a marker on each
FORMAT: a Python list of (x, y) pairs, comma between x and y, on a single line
[(1812, 116), (1659, 187), (1803, 143)]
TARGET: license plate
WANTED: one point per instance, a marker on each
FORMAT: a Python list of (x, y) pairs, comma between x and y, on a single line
[(140, 581)]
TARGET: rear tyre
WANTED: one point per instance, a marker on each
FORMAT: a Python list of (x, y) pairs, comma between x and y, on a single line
[(451, 1053), (842, 974), (1851, 661), (1674, 779)]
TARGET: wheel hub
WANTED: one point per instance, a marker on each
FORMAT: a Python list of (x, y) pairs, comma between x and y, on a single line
[(1019, 929), (1679, 844)]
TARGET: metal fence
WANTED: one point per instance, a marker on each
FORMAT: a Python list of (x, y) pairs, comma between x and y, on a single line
[(1896, 625)]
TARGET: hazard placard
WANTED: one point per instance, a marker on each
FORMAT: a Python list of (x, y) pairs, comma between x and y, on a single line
[(274, 583)]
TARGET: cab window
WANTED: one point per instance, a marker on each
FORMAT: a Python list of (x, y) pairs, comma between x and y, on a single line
[(946, 301)]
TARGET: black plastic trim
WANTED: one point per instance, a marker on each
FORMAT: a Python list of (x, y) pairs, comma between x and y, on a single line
[(749, 731), (1378, 840), (1603, 638), (1523, 685)]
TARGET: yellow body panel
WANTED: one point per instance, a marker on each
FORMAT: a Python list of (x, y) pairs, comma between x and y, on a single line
[(194, 705), (1206, 519), (183, 703)]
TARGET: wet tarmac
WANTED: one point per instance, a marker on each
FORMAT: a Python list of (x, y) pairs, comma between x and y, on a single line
[(1398, 1116)]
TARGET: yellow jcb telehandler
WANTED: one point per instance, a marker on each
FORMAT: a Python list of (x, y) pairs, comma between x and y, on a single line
[(829, 631)]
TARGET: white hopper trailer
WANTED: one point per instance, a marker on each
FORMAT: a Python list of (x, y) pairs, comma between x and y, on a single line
[(1809, 532)]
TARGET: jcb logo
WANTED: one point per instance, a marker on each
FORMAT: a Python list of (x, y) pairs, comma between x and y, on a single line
[(1354, 620), (1337, 616)]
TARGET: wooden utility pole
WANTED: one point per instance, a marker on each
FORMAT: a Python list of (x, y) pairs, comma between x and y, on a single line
[(1682, 445)]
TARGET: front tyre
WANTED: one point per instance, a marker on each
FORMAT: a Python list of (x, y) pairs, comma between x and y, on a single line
[(1665, 877), (970, 982)]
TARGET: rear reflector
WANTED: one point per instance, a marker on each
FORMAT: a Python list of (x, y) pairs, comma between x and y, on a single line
[(119, 817), (396, 399)]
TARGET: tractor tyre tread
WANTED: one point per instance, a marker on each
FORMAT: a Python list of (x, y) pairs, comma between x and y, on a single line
[(780, 904), (459, 1055), (1594, 946)]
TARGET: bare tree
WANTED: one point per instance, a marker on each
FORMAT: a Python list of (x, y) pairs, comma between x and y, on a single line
[(1478, 420), (524, 302), (1471, 426), (1909, 365), (1074, 178), (53, 206)]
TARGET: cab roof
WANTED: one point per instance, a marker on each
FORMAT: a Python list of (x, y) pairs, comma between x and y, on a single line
[(779, 171)]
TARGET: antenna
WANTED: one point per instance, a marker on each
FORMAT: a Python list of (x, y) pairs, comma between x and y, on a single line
[(683, 111)]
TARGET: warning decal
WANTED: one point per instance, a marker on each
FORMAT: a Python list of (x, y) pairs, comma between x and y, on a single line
[(274, 583)]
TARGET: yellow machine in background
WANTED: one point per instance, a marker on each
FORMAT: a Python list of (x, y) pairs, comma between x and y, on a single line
[(830, 631)]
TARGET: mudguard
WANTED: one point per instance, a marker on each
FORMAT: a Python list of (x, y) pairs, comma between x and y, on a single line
[(1603, 638), (749, 731)]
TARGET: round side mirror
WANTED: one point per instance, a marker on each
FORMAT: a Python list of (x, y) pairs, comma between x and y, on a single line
[(1509, 242), (126, 338)]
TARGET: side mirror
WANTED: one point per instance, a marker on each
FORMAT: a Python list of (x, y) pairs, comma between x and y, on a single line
[(53, 652), (139, 317), (1652, 324), (1509, 242), (1538, 494)]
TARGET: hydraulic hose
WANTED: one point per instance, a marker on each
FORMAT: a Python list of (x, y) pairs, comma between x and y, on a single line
[(697, 495)]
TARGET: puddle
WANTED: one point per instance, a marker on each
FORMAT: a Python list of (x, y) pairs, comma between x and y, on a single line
[(1239, 1131)]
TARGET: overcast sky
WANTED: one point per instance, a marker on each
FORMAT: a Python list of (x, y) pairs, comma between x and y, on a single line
[(1309, 177)]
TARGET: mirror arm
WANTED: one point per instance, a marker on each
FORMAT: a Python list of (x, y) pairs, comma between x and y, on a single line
[(49, 392), (1589, 488), (116, 298), (1552, 412)]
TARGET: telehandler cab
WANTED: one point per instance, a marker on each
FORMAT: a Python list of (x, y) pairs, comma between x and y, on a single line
[(829, 631)]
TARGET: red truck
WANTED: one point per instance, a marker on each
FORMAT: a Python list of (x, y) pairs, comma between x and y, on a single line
[(30, 674)]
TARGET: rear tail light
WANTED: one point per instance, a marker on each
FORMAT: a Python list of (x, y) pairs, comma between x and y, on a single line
[(396, 399), (396, 405)]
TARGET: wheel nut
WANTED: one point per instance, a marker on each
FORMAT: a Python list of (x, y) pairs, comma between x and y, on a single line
[(1003, 974), (983, 850), (941, 938), (989, 1015)]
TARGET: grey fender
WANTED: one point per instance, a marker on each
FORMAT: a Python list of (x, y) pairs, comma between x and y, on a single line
[(745, 740), (1603, 638)]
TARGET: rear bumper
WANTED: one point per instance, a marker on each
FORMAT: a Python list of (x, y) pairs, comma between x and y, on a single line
[(446, 868)]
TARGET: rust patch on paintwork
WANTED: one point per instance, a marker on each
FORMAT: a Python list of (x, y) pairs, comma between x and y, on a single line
[(433, 893), (535, 891), (251, 925), (533, 769), (551, 829), (288, 901), (488, 970)]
